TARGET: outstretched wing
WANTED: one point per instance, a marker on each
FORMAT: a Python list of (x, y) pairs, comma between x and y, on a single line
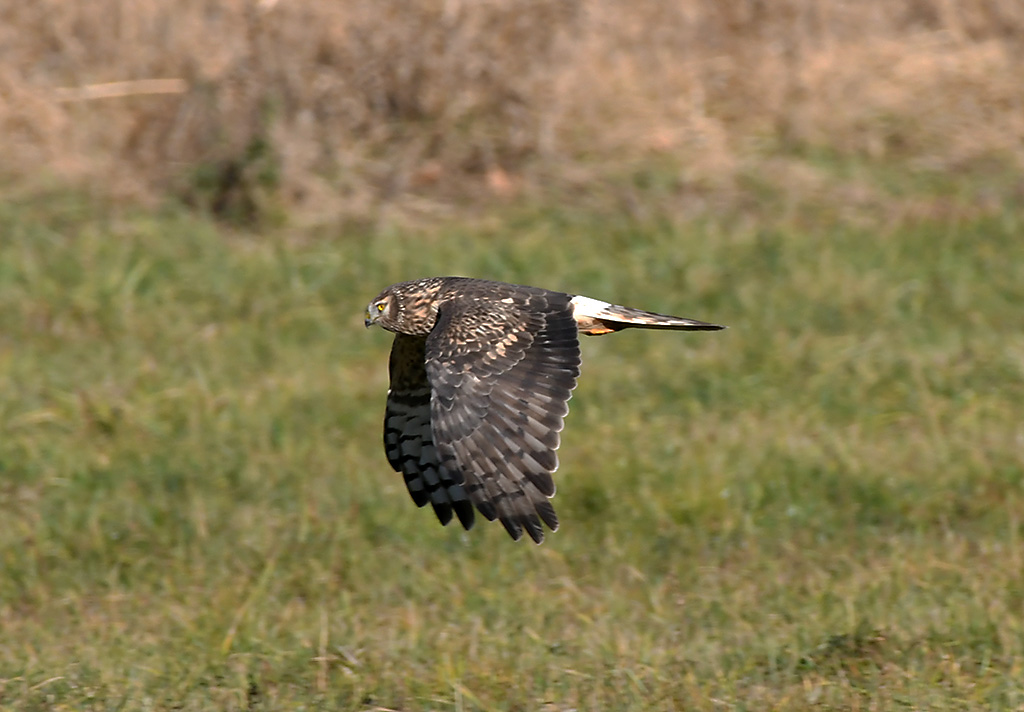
[(502, 367), (409, 440)]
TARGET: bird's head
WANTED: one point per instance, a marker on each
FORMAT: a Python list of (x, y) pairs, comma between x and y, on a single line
[(406, 307), (382, 310)]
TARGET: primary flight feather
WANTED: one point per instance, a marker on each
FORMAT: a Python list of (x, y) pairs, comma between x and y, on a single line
[(481, 376)]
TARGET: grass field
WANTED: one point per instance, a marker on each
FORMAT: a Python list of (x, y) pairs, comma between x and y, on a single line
[(819, 508)]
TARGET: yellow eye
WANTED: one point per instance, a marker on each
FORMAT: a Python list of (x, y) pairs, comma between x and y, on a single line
[(380, 307)]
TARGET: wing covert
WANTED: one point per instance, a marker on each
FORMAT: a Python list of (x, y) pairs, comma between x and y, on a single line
[(501, 371)]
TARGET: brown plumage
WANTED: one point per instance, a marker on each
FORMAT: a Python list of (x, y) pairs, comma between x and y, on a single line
[(481, 376)]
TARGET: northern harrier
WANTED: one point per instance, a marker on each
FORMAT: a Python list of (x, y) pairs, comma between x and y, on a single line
[(481, 375)]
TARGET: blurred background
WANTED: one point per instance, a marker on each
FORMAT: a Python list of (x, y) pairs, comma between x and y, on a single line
[(821, 507), (333, 109)]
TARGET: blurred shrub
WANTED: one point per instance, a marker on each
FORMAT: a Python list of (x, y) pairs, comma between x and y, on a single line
[(339, 106)]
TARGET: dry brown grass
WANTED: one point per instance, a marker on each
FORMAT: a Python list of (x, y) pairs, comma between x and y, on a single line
[(340, 106)]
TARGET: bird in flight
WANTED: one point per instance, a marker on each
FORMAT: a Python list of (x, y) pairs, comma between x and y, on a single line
[(481, 376)]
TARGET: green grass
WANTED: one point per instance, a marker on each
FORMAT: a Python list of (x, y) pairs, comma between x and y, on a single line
[(818, 508)]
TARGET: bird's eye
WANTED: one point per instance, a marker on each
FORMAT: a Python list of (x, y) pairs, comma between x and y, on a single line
[(380, 307)]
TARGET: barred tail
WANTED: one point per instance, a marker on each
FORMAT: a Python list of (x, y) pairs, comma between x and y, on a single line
[(594, 317)]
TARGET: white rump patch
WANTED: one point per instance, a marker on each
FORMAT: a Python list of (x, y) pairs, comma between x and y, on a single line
[(587, 307)]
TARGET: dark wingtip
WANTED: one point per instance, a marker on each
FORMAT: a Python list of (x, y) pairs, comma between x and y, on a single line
[(443, 510), (512, 527), (531, 523), (547, 514), (487, 509), (464, 511), (533, 527)]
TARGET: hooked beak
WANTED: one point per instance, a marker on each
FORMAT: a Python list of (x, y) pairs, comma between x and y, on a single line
[(369, 320)]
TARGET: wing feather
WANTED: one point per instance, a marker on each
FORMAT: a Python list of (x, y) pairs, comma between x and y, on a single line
[(502, 366), (409, 439)]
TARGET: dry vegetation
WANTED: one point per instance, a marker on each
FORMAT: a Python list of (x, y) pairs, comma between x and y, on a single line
[(340, 106), (820, 508)]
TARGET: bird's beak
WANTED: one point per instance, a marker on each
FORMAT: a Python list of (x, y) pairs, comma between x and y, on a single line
[(368, 321)]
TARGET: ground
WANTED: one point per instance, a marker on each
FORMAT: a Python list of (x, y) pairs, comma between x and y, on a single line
[(820, 507)]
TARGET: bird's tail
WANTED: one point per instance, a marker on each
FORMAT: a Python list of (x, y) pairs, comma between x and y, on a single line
[(595, 317)]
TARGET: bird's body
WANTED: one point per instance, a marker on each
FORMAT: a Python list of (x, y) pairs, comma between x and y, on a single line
[(481, 376)]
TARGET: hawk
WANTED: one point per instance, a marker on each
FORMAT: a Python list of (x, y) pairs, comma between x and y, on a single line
[(481, 376)]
